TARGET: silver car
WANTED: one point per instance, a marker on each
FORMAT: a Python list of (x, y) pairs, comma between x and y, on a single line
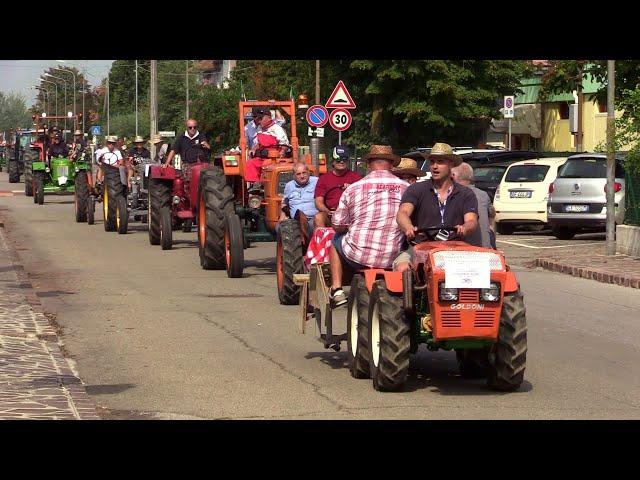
[(577, 198)]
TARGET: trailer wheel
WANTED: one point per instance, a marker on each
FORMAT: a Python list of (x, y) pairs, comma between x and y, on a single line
[(233, 246), (289, 260), (357, 328), (215, 201)]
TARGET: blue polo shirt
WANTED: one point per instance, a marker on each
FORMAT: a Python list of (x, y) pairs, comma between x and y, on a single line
[(301, 197)]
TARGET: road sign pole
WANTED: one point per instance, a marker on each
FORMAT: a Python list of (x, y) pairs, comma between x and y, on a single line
[(314, 146), (509, 134), (611, 151), (339, 138)]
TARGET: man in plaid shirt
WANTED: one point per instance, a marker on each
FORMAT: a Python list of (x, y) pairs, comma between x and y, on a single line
[(367, 234)]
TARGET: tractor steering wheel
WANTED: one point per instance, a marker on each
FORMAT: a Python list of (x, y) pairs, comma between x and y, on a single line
[(435, 233)]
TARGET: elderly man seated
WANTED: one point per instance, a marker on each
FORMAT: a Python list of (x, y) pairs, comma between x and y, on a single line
[(299, 195)]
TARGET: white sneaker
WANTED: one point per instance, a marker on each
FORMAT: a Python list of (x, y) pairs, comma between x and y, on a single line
[(338, 298)]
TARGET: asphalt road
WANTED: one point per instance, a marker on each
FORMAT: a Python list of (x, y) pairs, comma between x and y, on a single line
[(152, 335)]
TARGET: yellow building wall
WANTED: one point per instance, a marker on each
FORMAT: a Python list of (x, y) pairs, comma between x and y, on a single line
[(556, 137)]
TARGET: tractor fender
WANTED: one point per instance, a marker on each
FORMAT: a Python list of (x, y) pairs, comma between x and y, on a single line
[(38, 166), (393, 280), (159, 173), (510, 282)]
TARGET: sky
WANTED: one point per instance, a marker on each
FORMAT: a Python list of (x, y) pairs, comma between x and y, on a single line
[(19, 75)]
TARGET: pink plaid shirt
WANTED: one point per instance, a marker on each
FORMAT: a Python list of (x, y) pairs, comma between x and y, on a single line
[(369, 207)]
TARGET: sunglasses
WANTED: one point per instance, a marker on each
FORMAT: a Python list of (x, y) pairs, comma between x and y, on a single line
[(339, 160), (192, 128)]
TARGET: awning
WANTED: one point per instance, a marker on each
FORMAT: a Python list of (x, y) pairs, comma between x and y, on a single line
[(527, 121)]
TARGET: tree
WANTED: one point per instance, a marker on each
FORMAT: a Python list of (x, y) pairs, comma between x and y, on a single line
[(13, 112)]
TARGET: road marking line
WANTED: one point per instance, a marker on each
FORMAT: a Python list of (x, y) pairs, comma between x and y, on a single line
[(569, 245), (553, 246), (515, 243)]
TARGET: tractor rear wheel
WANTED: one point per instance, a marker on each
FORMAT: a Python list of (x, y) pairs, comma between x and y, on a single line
[(113, 189), (233, 246), (81, 196), (91, 210), (389, 339), (38, 188), (508, 356), (122, 215), (14, 171), (166, 230), (289, 260), (357, 328), (159, 196), (30, 156), (215, 201)]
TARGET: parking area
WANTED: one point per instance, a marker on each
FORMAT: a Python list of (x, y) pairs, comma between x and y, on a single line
[(524, 247)]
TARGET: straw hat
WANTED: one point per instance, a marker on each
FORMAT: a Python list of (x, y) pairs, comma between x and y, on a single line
[(382, 152), (112, 139), (78, 132), (440, 150), (155, 139), (408, 166), (138, 139)]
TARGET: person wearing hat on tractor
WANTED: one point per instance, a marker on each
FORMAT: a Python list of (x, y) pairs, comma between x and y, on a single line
[(437, 201), (408, 170), (78, 146), (135, 153), (331, 185), (251, 128), (109, 155), (270, 136), (58, 147), (161, 148), (365, 221)]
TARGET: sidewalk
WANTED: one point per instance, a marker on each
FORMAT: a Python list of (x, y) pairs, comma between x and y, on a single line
[(620, 269), (36, 381)]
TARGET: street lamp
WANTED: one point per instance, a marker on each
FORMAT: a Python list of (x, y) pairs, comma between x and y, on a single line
[(65, 95), (56, 87), (47, 97), (74, 84)]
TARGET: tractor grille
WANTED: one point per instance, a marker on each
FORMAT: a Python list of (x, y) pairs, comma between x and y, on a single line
[(469, 296), (283, 179), (451, 319), (484, 320), (63, 171)]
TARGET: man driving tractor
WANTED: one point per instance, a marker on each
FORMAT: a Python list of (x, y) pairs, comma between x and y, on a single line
[(191, 146), (270, 136), (135, 153)]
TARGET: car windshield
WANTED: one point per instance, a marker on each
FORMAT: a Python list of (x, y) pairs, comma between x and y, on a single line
[(588, 168), (489, 174), (527, 173)]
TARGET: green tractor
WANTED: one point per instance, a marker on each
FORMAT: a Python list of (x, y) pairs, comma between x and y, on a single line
[(44, 174), (21, 139)]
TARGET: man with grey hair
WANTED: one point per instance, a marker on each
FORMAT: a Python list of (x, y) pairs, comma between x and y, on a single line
[(463, 174), (298, 194)]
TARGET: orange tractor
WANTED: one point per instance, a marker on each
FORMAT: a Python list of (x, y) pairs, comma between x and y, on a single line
[(231, 212)]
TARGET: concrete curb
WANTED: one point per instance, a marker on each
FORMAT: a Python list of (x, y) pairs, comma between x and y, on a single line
[(589, 273)]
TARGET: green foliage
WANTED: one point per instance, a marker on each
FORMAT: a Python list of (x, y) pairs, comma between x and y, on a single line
[(124, 125), (13, 112)]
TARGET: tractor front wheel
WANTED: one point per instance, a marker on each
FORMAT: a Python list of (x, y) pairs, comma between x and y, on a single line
[(14, 171), (159, 196), (233, 246), (91, 210), (122, 215), (81, 196), (113, 189), (215, 201), (508, 356), (38, 188), (30, 156), (389, 339), (357, 328), (166, 230), (289, 260)]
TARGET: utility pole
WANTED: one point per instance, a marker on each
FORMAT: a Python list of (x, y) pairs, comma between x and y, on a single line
[(314, 141), (153, 100), (187, 77), (579, 134), (317, 82), (136, 98), (108, 106), (611, 161)]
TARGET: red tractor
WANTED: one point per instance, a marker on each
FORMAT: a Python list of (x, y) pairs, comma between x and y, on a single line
[(232, 213)]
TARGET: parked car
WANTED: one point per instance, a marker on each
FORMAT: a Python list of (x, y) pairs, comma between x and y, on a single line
[(488, 176), (479, 158), (521, 198), (577, 198)]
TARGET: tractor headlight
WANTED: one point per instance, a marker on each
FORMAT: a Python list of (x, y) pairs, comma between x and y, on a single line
[(447, 294), (77, 169), (47, 169), (491, 294), (176, 199), (255, 202)]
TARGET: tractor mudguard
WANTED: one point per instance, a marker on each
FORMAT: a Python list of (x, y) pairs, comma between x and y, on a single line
[(393, 280), (82, 166), (159, 173), (510, 282), (38, 166)]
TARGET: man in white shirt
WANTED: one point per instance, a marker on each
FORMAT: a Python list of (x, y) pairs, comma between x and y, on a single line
[(251, 129), (108, 155)]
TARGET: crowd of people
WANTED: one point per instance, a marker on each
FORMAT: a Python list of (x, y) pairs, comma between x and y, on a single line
[(376, 217)]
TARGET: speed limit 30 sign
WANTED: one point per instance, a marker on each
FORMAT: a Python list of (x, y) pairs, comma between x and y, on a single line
[(340, 119)]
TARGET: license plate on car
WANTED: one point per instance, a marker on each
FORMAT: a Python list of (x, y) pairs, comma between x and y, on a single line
[(576, 208), (520, 194)]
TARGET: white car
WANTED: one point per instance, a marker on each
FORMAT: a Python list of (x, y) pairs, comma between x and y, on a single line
[(521, 198)]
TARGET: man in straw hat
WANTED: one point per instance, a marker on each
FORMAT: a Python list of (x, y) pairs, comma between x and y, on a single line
[(408, 170), (79, 144), (366, 232), (161, 148), (437, 201), (134, 155)]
